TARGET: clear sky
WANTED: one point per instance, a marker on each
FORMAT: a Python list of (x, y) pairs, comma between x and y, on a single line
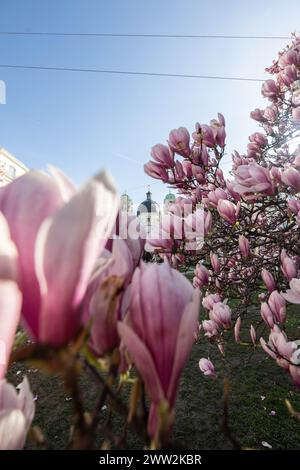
[(84, 122)]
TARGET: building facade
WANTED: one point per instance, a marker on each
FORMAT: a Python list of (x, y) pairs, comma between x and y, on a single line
[(168, 201), (148, 213), (10, 167), (126, 204)]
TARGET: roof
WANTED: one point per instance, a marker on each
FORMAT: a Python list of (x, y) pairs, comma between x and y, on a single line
[(170, 197), (148, 205), (17, 162)]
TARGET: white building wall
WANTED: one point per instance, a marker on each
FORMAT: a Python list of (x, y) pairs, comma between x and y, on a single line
[(10, 167)]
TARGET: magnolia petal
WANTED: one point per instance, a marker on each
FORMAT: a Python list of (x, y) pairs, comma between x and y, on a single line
[(65, 185), (143, 361), (12, 430), (291, 296), (10, 307), (25, 203), (185, 340), (66, 251), (26, 402)]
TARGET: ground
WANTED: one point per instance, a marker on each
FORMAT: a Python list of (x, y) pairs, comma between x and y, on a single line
[(257, 412)]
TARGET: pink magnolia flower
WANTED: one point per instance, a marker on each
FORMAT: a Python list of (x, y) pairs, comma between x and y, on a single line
[(221, 314), (179, 172), (270, 89), (267, 315), (296, 114), (163, 155), (187, 168), (289, 57), (59, 234), (227, 210), (213, 197), (160, 331), (288, 267), (279, 348), (259, 138), (276, 175), (218, 127), (156, 170), (207, 222), (207, 367), (271, 113), (268, 280), (16, 414), (209, 301), (291, 177), (231, 191), (257, 115), (277, 305), (237, 330), (244, 246), (105, 301), (293, 294), (205, 135), (201, 276), (288, 75), (179, 141), (215, 262), (210, 328), (253, 178), (10, 296), (253, 334)]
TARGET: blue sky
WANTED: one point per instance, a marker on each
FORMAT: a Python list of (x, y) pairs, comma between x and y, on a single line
[(84, 122)]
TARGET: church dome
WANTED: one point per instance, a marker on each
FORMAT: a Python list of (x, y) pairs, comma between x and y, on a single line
[(170, 197), (148, 206)]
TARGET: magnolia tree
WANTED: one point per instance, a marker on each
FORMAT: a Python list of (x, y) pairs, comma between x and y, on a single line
[(249, 257), (73, 284)]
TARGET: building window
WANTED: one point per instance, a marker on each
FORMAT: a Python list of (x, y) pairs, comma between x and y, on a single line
[(11, 171)]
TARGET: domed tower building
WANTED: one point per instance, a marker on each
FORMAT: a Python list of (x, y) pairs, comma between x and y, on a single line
[(126, 204), (168, 201), (148, 213)]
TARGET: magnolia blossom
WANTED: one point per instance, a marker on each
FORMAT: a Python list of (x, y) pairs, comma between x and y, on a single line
[(105, 301), (16, 414), (209, 300), (244, 246), (228, 211), (296, 114), (179, 141), (284, 353), (163, 155), (221, 314), (279, 348), (277, 305), (10, 295), (59, 233), (237, 330), (253, 178), (253, 334), (156, 170), (288, 266), (159, 331), (268, 280), (291, 177), (207, 367), (201, 276), (267, 315), (210, 328), (293, 294)]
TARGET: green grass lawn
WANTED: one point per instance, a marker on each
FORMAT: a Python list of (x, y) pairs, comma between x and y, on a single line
[(257, 410)]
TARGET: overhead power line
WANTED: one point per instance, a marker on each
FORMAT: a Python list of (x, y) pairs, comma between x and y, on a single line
[(128, 72), (129, 35)]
